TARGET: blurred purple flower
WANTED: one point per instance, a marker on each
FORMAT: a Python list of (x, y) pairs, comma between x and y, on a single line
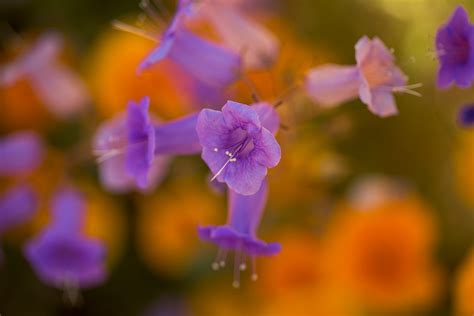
[(374, 79), (20, 153), (17, 205), (202, 59), (258, 46), (134, 150), (237, 147), (466, 115), (61, 255), (455, 50), (240, 232), (58, 87)]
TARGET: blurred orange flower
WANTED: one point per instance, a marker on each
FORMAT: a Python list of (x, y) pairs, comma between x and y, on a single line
[(114, 81), (464, 287), (167, 226), (382, 254)]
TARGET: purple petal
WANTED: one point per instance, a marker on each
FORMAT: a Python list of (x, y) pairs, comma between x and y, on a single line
[(60, 258), (330, 85), (238, 115), (20, 153), (267, 115), (17, 206), (211, 129), (178, 137), (159, 53), (382, 103), (267, 151), (245, 176), (466, 115), (68, 210)]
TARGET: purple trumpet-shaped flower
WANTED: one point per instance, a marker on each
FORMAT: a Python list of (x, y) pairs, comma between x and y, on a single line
[(374, 79), (258, 46), (134, 150), (202, 59), (455, 50), (17, 206), (61, 255), (59, 88), (466, 115), (237, 146), (240, 232), (20, 153)]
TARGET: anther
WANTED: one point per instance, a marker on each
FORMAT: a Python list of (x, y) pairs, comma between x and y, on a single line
[(216, 149), (254, 277), (236, 284), (215, 266), (242, 267)]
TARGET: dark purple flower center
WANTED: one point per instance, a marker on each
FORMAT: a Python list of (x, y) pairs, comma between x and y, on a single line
[(457, 50)]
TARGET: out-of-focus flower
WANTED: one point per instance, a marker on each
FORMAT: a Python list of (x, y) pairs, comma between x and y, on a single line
[(466, 115), (20, 153), (17, 205), (374, 79), (62, 255), (257, 45), (113, 86), (133, 151), (57, 86), (167, 223), (380, 254), (455, 50), (204, 60), (240, 233), (237, 147), (464, 287)]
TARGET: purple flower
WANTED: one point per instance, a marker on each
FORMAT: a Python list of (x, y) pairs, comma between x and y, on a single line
[(202, 59), (17, 206), (374, 79), (240, 232), (61, 255), (20, 153), (466, 115), (258, 46), (455, 49), (134, 150), (237, 147), (59, 88)]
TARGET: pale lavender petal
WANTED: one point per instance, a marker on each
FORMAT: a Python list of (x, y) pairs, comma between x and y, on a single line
[(382, 103), (20, 153), (178, 137), (244, 176), (17, 206), (268, 116), (330, 85), (257, 45), (212, 129), (68, 209), (159, 53), (60, 89), (238, 115)]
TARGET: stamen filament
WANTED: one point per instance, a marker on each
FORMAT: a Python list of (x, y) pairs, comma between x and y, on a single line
[(133, 30)]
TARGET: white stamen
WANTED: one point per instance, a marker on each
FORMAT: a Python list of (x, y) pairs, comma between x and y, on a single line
[(133, 30), (233, 159), (222, 263), (242, 267), (254, 277), (215, 266), (236, 284), (409, 89), (216, 149)]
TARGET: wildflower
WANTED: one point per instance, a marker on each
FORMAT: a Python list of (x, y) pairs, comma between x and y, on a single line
[(133, 151), (59, 88), (61, 255), (466, 115), (374, 79), (204, 60), (455, 50), (258, 46), (381, 253), (237, 146), (464, 286), (240, 233), (17, 205), (20, 153)]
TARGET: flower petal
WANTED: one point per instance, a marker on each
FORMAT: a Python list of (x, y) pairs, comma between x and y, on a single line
[(269, 118), (20, 152), (382, 103), (267, 151), (245, 176)]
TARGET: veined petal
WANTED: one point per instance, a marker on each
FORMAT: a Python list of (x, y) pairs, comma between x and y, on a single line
[(330, 85), (238, 115), (267, 151), (20, 152), (212, 129), (245, 176)]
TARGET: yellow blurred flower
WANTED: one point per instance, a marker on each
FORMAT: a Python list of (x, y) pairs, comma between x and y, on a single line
[(167, 226), (464, 287), (382, 254), (114, 80)]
